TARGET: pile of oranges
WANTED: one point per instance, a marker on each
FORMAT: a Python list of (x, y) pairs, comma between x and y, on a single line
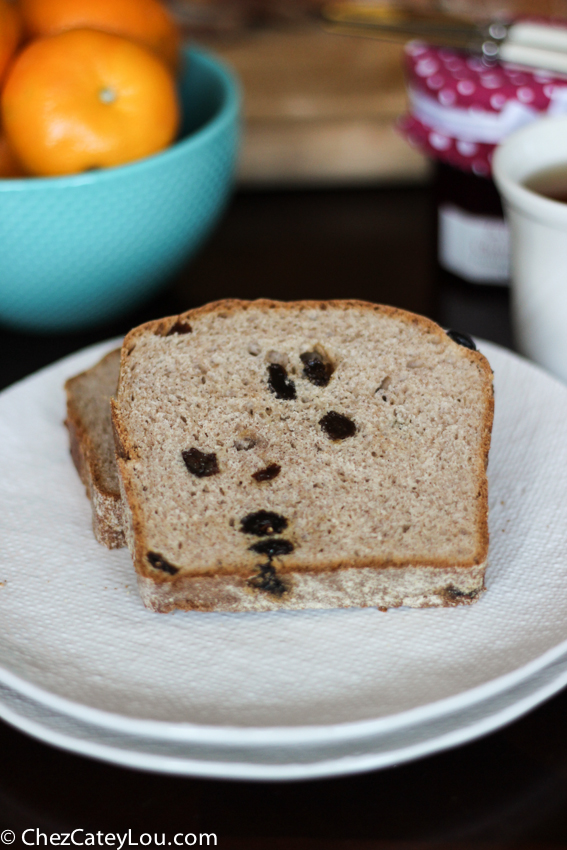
[(85, 84)]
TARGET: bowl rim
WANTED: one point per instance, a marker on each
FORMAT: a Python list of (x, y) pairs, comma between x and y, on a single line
[(225, 115)]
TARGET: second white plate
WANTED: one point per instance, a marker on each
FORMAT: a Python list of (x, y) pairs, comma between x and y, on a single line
[(304, 760)]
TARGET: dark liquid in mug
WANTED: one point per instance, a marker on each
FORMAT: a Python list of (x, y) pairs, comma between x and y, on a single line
[(550, 182)]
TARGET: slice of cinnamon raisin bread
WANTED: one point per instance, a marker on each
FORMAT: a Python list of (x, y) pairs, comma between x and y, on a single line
[(303, 455), (92, 445)]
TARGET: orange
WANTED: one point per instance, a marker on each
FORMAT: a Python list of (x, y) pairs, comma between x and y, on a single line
[(86, 99), (10, 33), (147, 21), (9, 165)]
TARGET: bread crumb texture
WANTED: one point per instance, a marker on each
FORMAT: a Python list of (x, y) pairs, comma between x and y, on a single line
[(404, 486)]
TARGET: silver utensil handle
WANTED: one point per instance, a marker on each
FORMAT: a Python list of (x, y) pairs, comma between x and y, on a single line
[(533, 57), (538, 35)]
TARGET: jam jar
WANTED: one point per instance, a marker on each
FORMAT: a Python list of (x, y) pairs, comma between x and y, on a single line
[(460, 108)]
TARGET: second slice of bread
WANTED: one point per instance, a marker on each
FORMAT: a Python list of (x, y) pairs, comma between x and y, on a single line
[(92, 445), (298, 455)]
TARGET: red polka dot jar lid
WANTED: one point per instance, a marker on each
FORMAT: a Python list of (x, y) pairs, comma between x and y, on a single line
[(461, 108)]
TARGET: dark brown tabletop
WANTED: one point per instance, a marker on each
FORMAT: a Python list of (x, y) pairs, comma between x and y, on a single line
[(505, 790)]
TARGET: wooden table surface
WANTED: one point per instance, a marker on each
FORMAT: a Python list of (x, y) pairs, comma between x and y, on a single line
[(506, 790)]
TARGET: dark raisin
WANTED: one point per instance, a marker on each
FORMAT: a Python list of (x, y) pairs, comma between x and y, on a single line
[(263, 523), (453, 594), (272, 548), (268, 473), (337, 426), (462, 339), (279, 383), (160, 563), (268, 580), (201, 464), (180, 328), (453, 591), (316, 368)]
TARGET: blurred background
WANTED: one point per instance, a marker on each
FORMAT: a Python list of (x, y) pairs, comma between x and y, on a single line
[(320, 110), (330, 199)]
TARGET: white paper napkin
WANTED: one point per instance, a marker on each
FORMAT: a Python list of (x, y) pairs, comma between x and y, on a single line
[(72, 622)]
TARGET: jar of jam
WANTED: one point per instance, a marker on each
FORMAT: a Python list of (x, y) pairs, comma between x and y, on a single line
[(460, 108), (472, 235)]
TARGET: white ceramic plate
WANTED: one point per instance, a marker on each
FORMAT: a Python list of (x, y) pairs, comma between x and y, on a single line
[(305, 760), (76, 639)]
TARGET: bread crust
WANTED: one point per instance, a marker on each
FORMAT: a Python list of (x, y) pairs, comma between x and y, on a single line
[(415, 586), (199, 589), (106, 503)]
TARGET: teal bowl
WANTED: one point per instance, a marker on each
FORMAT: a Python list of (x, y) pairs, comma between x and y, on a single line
[(78, 251)]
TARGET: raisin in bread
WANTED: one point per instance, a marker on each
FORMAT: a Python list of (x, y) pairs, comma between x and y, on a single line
[(92, 445), (303, 455)]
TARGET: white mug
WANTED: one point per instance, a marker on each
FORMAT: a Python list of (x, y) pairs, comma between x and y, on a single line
[(538, 241)]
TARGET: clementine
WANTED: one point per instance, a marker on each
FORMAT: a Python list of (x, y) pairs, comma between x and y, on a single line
[(9, 165), (87, 99), (147, 21), (10, 33)]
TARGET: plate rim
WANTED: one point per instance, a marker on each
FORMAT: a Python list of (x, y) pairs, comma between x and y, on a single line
[(319, 769)]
